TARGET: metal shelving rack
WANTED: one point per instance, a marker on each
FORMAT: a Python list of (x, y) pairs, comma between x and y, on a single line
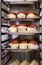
[(6, 9)]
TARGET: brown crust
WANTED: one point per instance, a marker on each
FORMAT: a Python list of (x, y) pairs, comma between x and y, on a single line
[(33, 42), (22, 25), (12, 13), (14, 41), (21, 12), (13, 26), (32, 13), (32, 26), (24, 41)]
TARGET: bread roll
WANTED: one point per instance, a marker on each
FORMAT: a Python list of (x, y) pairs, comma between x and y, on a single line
[(25, 62), (31, 28), (32, 15), (11, 15), (34, 62), (22, 28), (21, 15), (16, 62), (33, 45), (14, 44), (13, 28), (23, 44)]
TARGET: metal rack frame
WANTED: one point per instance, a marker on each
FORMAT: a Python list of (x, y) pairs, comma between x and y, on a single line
[(42, 38)]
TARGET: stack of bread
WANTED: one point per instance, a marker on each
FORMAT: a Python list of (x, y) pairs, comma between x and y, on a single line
[(34, 62), (16, 62), (23, 28), (14, 44), (32, 15), (31, 28), (25, 62), (23, 44), (33, 45), (22, 14), (11, 15), (12, 28)]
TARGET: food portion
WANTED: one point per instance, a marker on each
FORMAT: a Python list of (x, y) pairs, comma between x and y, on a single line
[(33, 44), (21, 15), (22, 28), (12, 28), (23, 44), (11, 15), (31, 28), (32, 15), (34, 62), (25, 62), (16, 62), (14, 44)]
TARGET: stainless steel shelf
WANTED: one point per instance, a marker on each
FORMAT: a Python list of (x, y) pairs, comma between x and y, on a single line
[(22, 2), (20, 50), (22, 19), (24, 33)]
